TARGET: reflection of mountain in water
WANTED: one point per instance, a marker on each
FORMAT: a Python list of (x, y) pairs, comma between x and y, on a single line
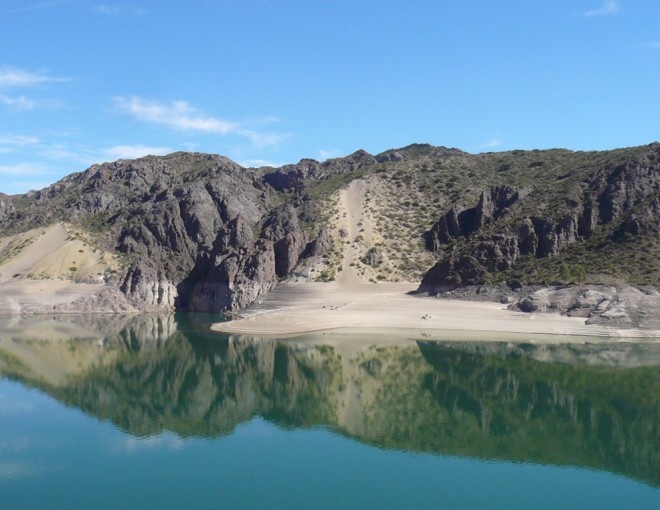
[(595, 406)]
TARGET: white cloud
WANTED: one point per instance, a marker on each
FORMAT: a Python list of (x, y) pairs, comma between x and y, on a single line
[(110, 10), (22, 169), (327, 154), (19, 103), (256, 163), (60, 151), (261, 140), (25, 186), (135, 151), (89, 156), (180, 115), (11, 77), (37, 7), (653, 45), (10, 142), (177, 114), (608, 8)]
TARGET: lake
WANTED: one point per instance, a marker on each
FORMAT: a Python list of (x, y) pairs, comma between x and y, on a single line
[(158, 412)]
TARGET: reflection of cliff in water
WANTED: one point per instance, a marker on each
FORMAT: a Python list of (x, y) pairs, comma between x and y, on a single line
[(514, 407), (596, 406)]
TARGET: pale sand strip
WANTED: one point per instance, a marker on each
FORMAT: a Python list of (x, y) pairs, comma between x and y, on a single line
[(38, 296), (291, 310)]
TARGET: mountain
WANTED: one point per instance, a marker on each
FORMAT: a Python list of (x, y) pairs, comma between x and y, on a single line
[(199, 232)]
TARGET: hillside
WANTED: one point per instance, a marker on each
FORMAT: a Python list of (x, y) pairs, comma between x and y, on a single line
[(199, 232)]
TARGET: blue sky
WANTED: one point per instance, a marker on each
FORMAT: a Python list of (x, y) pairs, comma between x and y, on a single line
[(273, 81)]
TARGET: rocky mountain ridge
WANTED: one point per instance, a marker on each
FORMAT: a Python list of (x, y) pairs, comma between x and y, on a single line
[(200, 232)]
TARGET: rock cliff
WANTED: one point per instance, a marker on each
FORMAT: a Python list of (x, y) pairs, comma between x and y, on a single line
[(613, 204)]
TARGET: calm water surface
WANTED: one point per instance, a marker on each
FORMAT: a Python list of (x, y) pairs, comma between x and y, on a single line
[(158, 413)]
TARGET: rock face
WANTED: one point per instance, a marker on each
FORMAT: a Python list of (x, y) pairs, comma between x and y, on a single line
[(373, 257), (608, 306), (319, 246), (508, 224), (458, 222), (6, 207)]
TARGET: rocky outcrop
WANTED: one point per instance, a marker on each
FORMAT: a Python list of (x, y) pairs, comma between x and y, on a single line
[(459, 222), (643, 221), (319, 246), (148, 289), (288, 251), (625, 194), (294, 178), (622, 307), (237, 272), (6, 207), (235, 280), (373, 257)]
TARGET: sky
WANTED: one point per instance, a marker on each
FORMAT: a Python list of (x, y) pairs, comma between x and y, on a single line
[(268, 82)]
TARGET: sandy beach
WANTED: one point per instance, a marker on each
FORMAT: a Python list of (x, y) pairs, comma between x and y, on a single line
[(294, 309)]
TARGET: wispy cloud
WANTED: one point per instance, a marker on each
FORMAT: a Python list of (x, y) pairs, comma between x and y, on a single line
[(12, 77), (256, 163), (327, 154), (653, 45), (176, 114), (10, 142), (260, 139), (23, 186), (87, 155), (111, 10), (60, 151), (608, 8), (25, 104), (22, 103), (182, 116), (38, 6), (22, 169), (134, 151)]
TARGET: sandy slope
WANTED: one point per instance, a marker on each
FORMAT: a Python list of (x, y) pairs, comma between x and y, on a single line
[(50, 266), (351, 216)]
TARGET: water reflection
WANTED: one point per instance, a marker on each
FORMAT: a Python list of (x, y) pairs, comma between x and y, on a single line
[(596, 406)]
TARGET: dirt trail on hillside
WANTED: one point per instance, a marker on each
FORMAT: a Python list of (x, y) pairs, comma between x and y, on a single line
[(354, 221)]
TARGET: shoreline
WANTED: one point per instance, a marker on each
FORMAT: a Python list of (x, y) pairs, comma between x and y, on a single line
[(293, 310)]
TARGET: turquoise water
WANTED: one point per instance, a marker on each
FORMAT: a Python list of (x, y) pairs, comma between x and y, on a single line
[(164, 415)]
